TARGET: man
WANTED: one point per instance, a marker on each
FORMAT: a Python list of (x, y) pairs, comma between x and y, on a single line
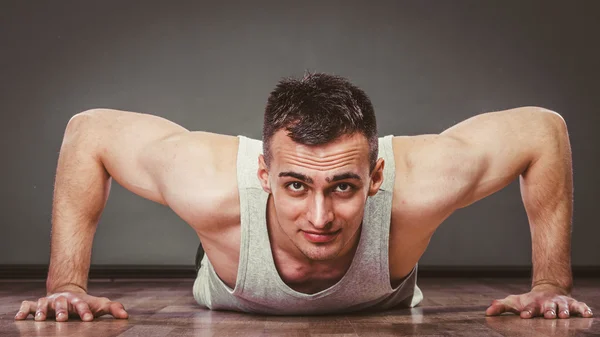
[(330, 219)]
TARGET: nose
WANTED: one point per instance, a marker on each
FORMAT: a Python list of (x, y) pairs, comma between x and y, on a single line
[(320, 213)]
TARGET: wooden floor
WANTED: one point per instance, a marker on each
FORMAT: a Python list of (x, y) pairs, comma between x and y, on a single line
[(452, 307)]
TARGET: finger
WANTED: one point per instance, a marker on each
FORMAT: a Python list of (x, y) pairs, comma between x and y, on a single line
[(549, 309), (42, 309), (27, 307), (117, 310), (61, 309), (83, 309), (563, 309), (498, 307), (530, 311), (580, 308)]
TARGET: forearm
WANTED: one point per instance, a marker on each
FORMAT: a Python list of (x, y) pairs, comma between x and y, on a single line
[(547, 191), (81, 189)]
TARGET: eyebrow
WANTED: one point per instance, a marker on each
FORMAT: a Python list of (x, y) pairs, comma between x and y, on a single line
[(344, 176), (308, 180)]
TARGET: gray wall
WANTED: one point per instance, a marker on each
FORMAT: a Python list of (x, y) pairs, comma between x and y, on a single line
[(426, 65)]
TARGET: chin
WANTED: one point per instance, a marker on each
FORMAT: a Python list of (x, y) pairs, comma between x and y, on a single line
[(321, 253)]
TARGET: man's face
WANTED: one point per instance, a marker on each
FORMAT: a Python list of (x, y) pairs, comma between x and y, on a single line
[(319, 193)]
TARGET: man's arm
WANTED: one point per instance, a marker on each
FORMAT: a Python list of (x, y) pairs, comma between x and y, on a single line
[(98, 145), (532, 144)]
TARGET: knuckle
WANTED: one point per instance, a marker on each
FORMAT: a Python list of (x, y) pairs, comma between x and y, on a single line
[(61, 298), (82, 306)]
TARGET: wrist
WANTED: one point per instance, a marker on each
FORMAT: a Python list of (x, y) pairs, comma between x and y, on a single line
[(550, 286), (69, 287)]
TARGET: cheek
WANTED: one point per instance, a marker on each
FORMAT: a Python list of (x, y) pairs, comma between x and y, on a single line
[(350, 208), (288, 207)]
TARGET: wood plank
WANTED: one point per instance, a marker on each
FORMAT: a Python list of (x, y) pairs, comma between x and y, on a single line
[(452, 306)]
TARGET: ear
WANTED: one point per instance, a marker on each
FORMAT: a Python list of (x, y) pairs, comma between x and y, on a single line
[(376, 177), (263, 174)]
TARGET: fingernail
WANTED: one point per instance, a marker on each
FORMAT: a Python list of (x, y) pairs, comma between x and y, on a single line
[(18, 314), (588, 312), (565, 312), (38, 314), (552, 313), (87, 317), (61, 315)]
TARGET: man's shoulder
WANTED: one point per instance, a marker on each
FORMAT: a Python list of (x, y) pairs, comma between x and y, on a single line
[(203, 156), (425, 167), (201, 184)]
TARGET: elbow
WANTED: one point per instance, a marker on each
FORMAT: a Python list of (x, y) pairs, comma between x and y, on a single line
[(91, 112), (77, 122), (553, 136), (83, 125), (552, 119), (85, 118)]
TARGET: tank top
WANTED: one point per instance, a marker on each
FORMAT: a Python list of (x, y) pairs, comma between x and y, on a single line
[(259, 288)]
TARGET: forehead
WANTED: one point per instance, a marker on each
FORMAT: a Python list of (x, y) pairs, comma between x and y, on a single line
[(348, 151)]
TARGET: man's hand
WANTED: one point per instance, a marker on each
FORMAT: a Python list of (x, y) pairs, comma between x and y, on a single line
[(65, 304), (544, 301)]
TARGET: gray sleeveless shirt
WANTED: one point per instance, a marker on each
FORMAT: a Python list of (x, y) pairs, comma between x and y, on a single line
[(260, 289)]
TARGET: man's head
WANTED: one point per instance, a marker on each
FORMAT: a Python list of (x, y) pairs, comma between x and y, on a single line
[(318, 109), (320, 162)]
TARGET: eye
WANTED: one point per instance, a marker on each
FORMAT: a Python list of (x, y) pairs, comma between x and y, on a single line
[(344, 188), (295, 186)]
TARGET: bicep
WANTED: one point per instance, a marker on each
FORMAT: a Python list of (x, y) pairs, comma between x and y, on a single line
[(193, 173), (131, 148), (198, 169), (493, 149)]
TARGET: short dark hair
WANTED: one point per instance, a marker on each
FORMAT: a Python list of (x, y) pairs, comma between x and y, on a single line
[(318, 109)]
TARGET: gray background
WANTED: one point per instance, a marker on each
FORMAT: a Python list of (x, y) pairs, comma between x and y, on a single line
[(210, 66)]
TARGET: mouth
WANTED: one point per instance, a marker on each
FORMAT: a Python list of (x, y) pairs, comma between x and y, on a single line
[(320, 237)]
